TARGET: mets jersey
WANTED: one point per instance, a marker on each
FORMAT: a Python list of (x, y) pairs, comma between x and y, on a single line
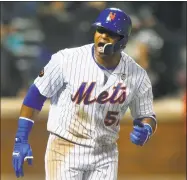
[(85, 106)]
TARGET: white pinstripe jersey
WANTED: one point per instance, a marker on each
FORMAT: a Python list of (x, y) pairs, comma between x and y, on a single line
[(84, 109)]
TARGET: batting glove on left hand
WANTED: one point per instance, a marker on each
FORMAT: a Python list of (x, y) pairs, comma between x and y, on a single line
[(141, 133), (22, 152)]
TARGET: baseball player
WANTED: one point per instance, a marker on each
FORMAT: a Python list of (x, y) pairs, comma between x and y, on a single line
[(90, 89)]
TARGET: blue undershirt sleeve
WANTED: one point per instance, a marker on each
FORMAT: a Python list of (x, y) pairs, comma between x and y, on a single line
[(34, 99)]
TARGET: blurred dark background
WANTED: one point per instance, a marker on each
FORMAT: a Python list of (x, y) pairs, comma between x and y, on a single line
[(32, 31)]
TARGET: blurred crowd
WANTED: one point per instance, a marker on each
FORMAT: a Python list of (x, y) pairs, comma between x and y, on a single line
[(32, 31)]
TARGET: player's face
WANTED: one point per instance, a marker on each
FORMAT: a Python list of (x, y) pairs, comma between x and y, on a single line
[(103, 36)]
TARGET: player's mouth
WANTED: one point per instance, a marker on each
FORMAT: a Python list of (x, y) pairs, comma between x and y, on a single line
[(100, 47), (101, 44)]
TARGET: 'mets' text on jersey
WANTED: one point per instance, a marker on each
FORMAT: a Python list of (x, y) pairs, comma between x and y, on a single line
[(83, 94), (87, 102)]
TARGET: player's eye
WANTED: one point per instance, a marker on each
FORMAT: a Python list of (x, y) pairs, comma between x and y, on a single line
[(109, 33)]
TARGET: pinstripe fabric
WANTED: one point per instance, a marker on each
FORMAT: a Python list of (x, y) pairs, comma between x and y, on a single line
[(87, 105), (65, 160), (142, 104)]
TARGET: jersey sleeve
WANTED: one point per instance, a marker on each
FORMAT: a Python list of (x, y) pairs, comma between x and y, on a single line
[(142, 104), (50, 79)]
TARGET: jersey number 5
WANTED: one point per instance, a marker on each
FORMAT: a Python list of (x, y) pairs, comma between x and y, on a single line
[(111, 118)]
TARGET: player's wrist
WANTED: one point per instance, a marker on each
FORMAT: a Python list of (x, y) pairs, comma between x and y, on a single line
[(152, 122), (23, 131)]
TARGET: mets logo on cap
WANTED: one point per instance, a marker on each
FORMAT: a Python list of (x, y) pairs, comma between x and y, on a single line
[(111, 16)]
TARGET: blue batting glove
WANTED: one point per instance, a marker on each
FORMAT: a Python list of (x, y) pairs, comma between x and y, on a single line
[(22, 149), (22, 152), (141, 133)]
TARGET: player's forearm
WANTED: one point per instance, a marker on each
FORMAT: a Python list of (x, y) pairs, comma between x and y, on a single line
[(29, 112), (32, 104), (31, 107)]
